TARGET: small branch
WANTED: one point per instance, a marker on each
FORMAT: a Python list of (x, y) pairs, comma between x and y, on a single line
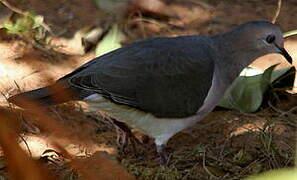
[(279, 5), (23, 13), (204, 166), (14, 9)]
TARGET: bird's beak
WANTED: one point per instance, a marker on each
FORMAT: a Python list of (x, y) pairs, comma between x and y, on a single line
[(284, 52)]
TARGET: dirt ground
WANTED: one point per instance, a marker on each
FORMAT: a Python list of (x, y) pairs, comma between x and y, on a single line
[(225, 145)]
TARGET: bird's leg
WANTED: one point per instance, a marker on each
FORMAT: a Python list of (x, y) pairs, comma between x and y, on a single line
[(124, 136), (164, 158)]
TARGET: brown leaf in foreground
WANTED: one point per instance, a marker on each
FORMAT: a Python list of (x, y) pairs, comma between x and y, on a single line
[(99, 166), (20, 165)]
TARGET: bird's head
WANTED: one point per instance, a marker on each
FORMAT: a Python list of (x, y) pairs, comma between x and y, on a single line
[(261, 37)]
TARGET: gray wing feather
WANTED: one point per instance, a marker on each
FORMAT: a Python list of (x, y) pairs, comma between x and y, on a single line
[(168, 77)]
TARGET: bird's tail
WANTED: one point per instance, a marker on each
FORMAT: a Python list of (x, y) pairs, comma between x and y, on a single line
[(46, 96)]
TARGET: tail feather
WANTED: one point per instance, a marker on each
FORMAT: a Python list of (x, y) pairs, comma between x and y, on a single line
[(47, 96)]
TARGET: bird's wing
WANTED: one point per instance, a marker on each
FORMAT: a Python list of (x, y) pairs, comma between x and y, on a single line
[(168, 77)]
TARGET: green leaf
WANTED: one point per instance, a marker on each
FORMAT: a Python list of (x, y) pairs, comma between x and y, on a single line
[(246, 93), (278, 73), (111, 41), (8, 25), (28, 25), (282, 174), (22, 25), (38, 20)]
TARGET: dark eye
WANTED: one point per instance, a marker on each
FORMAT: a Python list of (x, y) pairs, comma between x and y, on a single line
[(270, 39)]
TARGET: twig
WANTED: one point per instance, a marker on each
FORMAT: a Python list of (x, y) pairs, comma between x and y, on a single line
[(279, 5), (274, 108), (14, 9), (19, 11), (141, 25), (5, 96), (204, 166), (17, 85), (26, 144), (248, 167), (290, 111)]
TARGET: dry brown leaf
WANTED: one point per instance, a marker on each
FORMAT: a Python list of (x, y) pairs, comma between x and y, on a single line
[(20, 165), (100, 166)]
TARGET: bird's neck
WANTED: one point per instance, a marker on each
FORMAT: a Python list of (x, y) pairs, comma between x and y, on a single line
[(234, 54)]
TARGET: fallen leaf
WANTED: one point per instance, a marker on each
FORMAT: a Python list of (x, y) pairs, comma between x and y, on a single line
[(246, 92), (19, 164), (111, 41), (79, 44), (100, 166)]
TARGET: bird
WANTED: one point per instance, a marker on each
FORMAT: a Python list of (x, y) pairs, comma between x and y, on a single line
[(163, 85)]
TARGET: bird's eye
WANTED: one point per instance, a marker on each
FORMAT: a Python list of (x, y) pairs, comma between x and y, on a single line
[(270, 38)]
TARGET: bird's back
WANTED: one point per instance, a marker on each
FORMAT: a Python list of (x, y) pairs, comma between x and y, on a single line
[(168, 77)]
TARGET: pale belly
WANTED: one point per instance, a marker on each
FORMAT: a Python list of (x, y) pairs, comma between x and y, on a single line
[(161, 129)]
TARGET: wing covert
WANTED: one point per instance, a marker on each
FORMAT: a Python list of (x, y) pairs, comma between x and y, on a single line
[(166, 77)]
